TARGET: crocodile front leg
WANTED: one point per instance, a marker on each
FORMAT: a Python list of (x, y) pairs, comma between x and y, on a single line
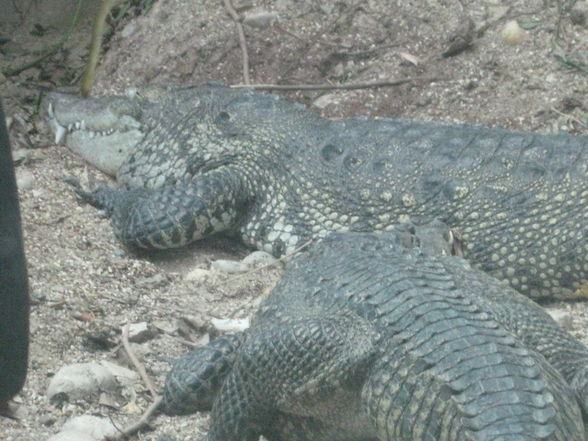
[(174, 216), (195, 379), (298, 382)]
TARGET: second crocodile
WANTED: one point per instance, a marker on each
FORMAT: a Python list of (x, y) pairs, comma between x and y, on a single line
[(366, 338)]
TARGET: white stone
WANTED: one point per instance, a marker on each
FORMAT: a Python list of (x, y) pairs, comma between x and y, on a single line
[(562, 317), (229, 266), (24, 179), (260, 19), (96, 427), (139, 332), (71, 435), (325, 100), (230, 325), (198, 274), (259, 258), (81, 381)]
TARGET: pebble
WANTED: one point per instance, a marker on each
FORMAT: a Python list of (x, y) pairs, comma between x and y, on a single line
[(86, 428), (230, 325), (197, 274), (229, 266), (325, 100), (259, 258), (20, 155), (166, 326), (24, 179), (512, 33), (156, 281), (71, 435), (562, 317), (81, 381), (579, 13), (140, 332), (260, 19)]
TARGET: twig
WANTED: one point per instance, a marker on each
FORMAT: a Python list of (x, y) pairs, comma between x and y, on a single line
[(571, 117), (135, 427), (157, 399), (138, 365), (363, 85), (51, 51), (242, 41), (95, 45)]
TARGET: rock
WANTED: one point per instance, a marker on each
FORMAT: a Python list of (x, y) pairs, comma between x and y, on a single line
[(166, 326), (20, 155), (24, 179), (229, 266), (260, 19), (325, 100), (197, 274), (96, 427), (196, 322), (86, 428), (512, 33), (47, 420), (579, 13), (140, 332), (461, 38), (71, 436), (230, 325), (562, 317), (81, 381), (156, 281), (128, 30), (259, 258)]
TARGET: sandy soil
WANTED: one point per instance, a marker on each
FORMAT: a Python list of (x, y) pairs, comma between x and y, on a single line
[(84, 287)]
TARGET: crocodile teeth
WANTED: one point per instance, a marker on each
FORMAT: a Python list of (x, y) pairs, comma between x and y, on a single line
[(50, 111), (70, 127), (59, 134), (78, 125)]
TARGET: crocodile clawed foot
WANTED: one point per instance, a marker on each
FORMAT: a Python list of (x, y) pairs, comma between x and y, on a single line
[(97, 195)]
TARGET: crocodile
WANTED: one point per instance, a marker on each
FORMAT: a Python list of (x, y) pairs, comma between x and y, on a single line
[(193, 161), (14, 302), (370, 337)]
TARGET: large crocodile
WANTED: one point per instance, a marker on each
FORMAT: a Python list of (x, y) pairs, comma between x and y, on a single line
[(366, 339), (193, 161)]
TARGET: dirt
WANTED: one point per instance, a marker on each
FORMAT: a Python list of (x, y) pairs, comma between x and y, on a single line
[(85, 287)]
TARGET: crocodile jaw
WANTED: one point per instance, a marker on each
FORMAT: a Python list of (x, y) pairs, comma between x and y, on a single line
[(103, 131)]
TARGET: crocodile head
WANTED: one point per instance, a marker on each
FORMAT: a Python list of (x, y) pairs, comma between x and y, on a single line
[(105, 130), (102, 130)]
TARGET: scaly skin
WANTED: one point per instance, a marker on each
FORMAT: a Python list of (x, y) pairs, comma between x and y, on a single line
[(211, 159), (366, 340)]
